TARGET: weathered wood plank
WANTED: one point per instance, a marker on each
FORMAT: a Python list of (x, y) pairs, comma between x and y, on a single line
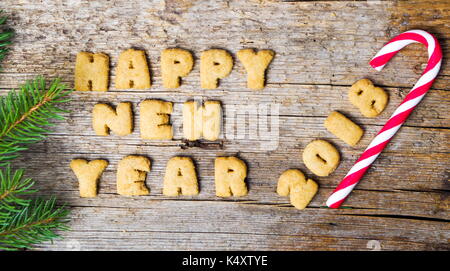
[(321, 47)]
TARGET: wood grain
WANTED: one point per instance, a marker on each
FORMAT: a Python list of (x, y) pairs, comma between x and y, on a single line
[(321, 47)]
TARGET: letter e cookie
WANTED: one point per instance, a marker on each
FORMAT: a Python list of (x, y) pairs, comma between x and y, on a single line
[(155, 119), (88, 174), (321, 157), (180, 177), (131, 173), (294, 184), (255, 64), (230, 174)]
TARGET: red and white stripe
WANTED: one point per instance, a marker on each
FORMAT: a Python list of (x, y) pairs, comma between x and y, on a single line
[(401, 113)]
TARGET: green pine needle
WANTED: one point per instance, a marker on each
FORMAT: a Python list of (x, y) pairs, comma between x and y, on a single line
[(23, 115), (5, 36), (33, 224), (13, 188)]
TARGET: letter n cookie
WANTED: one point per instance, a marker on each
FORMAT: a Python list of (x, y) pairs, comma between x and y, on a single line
[(215, 64), (175, 63), (131, 173), (120, 121), (91, 72), (255, 63), (88, 174), (132, 70), (294, 184), (155, 119), (230, 174), (180, 177)]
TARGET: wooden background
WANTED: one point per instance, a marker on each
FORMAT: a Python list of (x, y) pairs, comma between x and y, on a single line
[(321, 47)]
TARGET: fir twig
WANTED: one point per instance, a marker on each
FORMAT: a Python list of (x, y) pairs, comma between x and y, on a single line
[(12, 189), (5, 36), (32, 224), (24, 114)]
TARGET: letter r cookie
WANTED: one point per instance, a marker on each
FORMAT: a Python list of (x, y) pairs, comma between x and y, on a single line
[(230, 174)]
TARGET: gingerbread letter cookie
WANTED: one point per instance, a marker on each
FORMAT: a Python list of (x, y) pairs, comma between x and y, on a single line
[(370, 100), (230, 174), (202, 120), (215, 64), (344, 128), (180, 177), (132, 70), (91, 72), (120, 121), (88, 174), (155, 119), (131, 173), (321, 157), (175, 63), (294, 184), (255, 64)]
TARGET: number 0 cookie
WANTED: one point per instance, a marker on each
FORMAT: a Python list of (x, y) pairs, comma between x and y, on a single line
[(321, 157)]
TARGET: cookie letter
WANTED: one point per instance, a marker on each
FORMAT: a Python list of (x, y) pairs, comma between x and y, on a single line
[(255, 64), (91, 72), (180, 177), (132, 70), (88, 174), (201, 121), (370, 100), (215, 64), (293, 183), (175, 63), (131, 173), (230, 173), (340, 126), (321, 157), (155, 119), (120, 121)]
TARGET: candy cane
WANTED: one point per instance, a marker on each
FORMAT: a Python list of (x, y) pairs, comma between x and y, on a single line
[(401, 113)]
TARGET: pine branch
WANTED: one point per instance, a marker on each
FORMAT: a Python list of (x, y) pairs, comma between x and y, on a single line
[(5, 37), (13, 187), (33, 224), (24, 114)]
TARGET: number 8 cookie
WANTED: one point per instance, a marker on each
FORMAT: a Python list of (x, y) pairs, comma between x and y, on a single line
[(370, 100)]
